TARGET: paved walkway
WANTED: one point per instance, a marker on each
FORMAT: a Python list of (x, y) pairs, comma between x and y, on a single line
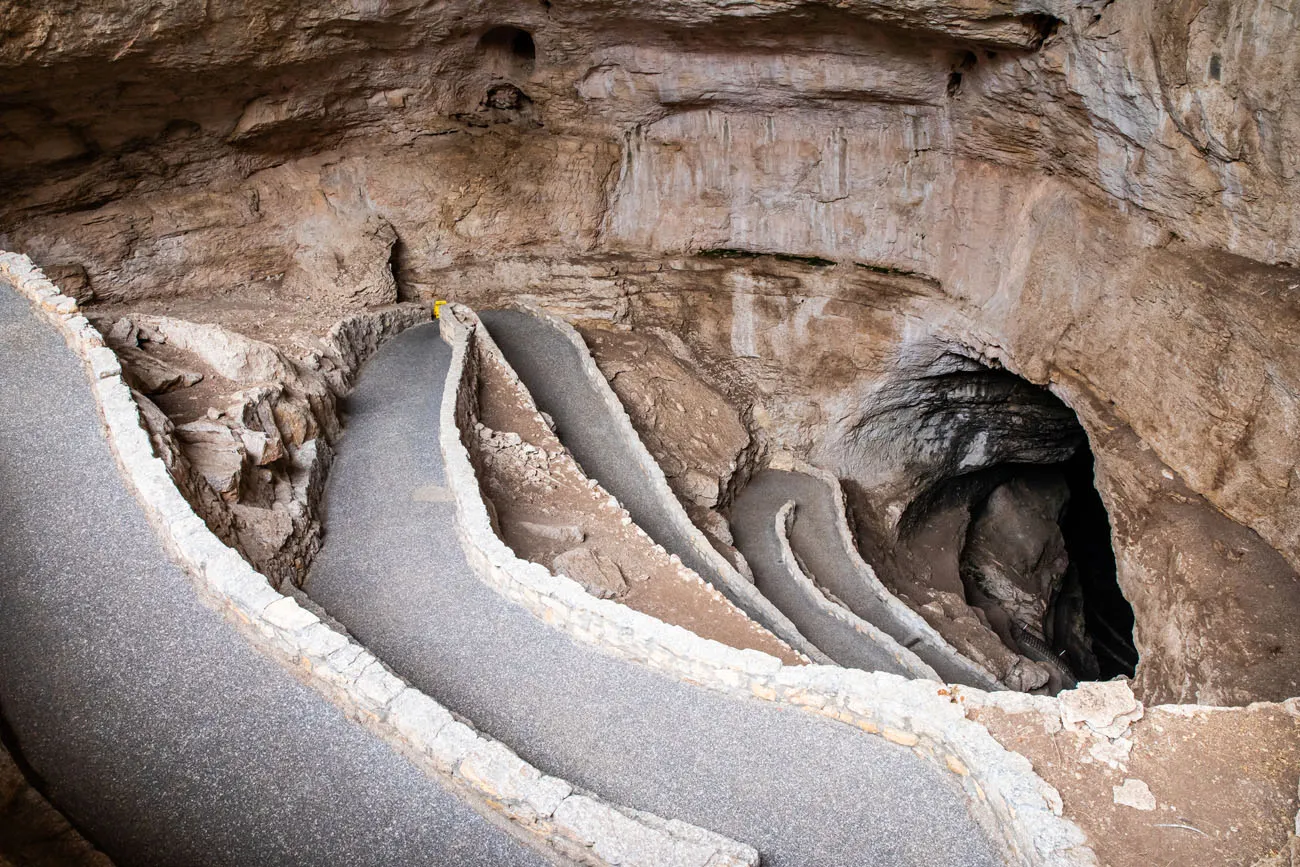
[(154, 724), (804, 791), (753, 523), (818, 542)]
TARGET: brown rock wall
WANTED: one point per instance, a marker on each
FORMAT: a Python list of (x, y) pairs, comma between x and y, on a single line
[(1097, 197)]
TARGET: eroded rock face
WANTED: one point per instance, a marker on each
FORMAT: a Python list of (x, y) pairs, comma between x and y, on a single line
[(1014, 559), (1096, 197), (698, 438)]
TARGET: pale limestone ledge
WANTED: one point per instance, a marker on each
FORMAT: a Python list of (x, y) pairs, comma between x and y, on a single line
[(1016, 807), (542, 810)]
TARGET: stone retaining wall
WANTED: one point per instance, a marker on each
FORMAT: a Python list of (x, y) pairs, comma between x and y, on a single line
[(541, 810), (813, 596), (736, 587), (931, 646), (1015, 806)]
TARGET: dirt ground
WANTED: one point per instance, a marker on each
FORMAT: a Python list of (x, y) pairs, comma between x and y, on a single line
[(290, 324), (696, 435), (1223, 781), (545, 506), (184, 404)]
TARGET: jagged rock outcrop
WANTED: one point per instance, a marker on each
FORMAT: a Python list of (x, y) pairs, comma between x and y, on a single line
[(249, 451)]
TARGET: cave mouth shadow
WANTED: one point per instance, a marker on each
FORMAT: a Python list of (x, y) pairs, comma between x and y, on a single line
[(1087, 532), (1035, 560), (510, 51)]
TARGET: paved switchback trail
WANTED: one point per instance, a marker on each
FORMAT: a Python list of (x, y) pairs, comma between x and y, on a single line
[(753, 523), (156, 727), (819, 543), (803, 790), (553, 370)]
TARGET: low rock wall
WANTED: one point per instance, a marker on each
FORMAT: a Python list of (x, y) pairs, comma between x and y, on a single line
[(541, 810), (739, 589), (931, 646), (1015, 806), (908, 661)]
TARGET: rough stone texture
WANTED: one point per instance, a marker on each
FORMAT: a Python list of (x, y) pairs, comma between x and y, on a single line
[(696, 436), (1222, 781), (348, 674), (250, 450), (32, 832), (598, 575), (1135, 794), (1015, 553), (1105, 708), (1081, 192)]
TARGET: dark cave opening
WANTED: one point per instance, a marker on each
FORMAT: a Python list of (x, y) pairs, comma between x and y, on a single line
[(1038, 560), (510, 50), (1011, 485), (1086, 528)]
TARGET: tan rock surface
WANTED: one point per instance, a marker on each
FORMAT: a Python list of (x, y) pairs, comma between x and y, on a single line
[(1097, 197)]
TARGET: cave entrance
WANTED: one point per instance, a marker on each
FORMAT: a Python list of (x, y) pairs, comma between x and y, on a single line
[(1108, 615), (510, 51), (1012, 490)]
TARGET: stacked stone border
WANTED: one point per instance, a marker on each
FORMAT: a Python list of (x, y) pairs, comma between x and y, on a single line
[(736, 587), (906, 659), (933, 645), (1017, 808), (543, 811), (740, 589), (485, 347), (954, 665)]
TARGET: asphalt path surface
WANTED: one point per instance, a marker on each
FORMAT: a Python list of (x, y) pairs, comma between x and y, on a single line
[(753, 525), (156, 727), (804, 790), (818, 542)]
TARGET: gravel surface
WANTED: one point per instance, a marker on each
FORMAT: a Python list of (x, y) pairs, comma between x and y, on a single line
[(753, 524), (804, 791), (162, 733)]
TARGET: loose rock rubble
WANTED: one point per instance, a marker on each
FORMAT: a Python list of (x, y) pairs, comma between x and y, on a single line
[(248, 440)]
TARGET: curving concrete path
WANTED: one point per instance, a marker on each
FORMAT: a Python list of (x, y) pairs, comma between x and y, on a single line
[(818, 541), (754, 528), (803, 790), (601, 439), (155, 726)]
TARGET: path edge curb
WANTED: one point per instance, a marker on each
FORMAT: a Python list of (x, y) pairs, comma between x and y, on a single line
[(900, 609), (739, 589), (814, 596), (545, 812), (1019, 810)]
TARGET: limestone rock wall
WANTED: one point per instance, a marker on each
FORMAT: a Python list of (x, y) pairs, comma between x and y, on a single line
[(1096, 196)]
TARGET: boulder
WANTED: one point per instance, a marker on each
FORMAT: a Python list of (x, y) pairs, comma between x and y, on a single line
[(599, 575)]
